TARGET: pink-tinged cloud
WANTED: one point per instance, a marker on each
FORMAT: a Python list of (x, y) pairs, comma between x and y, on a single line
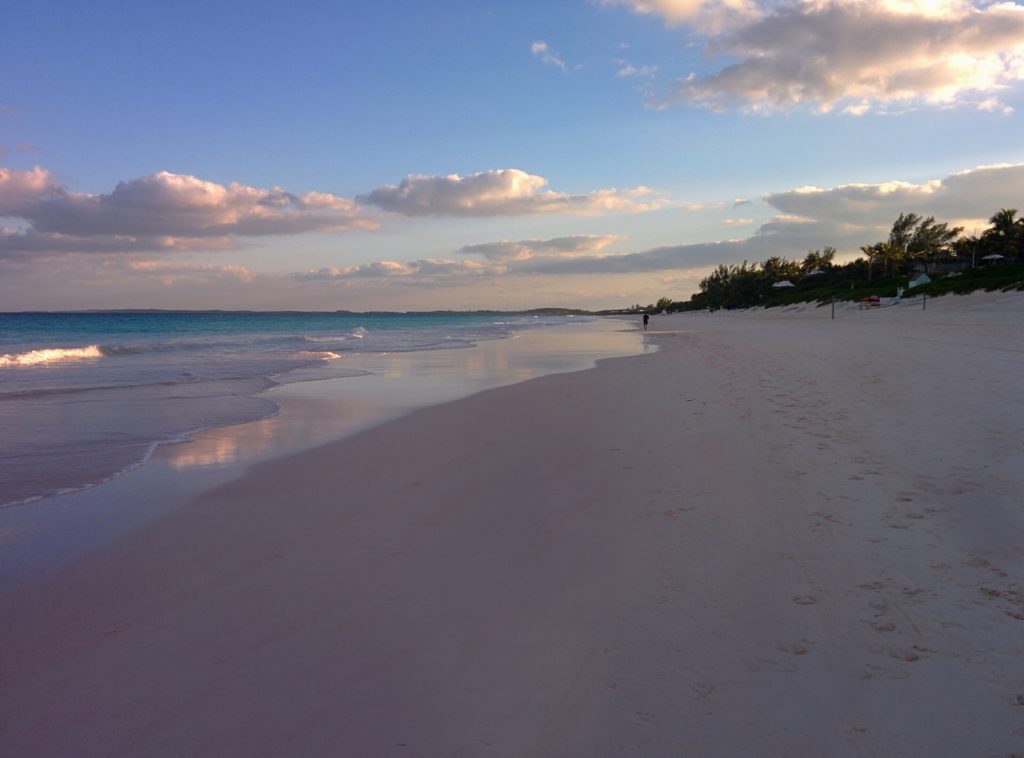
[(850, 55), (708, 14), (20, 190), (845, 217), (178, 271), (425, 270), (160, 212), (501, 192), (520, 250)]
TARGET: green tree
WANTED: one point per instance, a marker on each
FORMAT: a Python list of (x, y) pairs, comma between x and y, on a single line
[(776, 269), (817, 260), (900, 237), (931, 239), (887, 256), (1005, 236), (874, 255), (913, 239), (968, 250)]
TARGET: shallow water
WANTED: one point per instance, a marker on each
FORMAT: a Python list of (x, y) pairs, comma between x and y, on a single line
[(87, 396), (316, 406)]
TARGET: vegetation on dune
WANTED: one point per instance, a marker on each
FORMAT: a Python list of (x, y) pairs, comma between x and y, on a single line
[(993, 260)]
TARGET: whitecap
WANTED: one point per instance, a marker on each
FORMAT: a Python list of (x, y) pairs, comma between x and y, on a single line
[(51, 355)]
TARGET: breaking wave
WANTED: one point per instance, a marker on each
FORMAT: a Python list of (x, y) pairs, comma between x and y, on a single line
[(325, 355), (52, 355)]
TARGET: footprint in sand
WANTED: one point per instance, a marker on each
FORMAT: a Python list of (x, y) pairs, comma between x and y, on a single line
[(803, 647), (704, 689), (905, 655), (914, 654), (912, 593)]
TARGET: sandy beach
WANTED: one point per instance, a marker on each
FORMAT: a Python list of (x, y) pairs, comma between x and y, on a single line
[(778, 535)]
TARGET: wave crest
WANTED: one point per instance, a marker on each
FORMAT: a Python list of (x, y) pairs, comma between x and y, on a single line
[(51, 355), (325, 355)]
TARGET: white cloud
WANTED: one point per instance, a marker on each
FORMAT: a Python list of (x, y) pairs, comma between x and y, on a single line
[(972, 194), (160, 212), (846, 217), (851, 55), (629, 70), (995, 105), (425, 270), (176, 271), (667, 258), (521, 250), (500, 192), (542, 52)]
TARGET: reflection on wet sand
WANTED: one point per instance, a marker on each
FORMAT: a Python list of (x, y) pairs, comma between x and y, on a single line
[(390, 385), (349, 394)]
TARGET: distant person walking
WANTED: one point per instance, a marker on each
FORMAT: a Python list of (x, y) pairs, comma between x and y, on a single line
[(646, 319)]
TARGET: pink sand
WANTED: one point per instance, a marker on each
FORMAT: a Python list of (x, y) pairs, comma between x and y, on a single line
[(779, 535)]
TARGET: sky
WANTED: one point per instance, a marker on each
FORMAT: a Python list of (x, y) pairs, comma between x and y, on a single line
[(463, 154)]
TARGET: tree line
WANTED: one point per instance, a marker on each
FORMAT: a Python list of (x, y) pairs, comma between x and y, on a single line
[(915, 244)]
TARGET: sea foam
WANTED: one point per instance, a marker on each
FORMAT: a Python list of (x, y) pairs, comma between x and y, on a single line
[(51, 355)]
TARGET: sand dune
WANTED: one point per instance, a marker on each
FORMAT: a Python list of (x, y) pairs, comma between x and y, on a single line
[(780, 534)]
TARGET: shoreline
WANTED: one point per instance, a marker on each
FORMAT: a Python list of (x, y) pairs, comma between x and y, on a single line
[(90, 396), (316, 406), (776, 534)]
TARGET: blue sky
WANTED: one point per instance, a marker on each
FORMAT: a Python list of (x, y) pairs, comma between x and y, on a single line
[(409, 155)]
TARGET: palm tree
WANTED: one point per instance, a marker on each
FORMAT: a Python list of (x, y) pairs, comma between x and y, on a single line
[(892, 255), (1003, 223), (887, 255), (873, 254), (1006, 233), (967, 248)]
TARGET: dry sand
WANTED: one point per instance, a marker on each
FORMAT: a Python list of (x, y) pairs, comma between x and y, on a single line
[(780, 535)]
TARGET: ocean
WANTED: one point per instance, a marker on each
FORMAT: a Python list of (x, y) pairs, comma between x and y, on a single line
[(87, 396)]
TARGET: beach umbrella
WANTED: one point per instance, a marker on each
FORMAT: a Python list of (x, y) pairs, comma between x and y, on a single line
[(993, 257)]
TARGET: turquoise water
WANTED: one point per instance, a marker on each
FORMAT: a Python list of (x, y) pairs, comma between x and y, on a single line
[(85, 396)]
